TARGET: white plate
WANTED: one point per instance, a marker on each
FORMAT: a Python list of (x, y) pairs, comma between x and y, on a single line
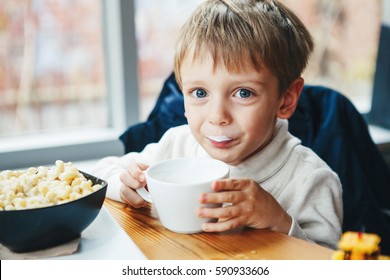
[(104, 239)]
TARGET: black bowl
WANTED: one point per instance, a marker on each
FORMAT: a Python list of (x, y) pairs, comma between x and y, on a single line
[(39, 228)]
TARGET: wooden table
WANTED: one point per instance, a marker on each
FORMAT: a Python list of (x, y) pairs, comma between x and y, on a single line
[(158, 243)]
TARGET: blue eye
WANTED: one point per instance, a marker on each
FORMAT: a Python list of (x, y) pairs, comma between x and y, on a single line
[(199, 93), (244, 93)]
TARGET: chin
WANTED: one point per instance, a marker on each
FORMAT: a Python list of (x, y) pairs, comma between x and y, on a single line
[(228, 159)]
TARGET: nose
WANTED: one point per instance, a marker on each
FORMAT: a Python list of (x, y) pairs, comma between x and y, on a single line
[(219, 112)]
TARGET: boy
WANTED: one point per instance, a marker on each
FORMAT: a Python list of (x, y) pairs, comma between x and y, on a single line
[(238, 64)]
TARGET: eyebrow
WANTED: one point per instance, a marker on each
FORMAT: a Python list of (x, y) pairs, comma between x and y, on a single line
[(258, 82), (192, 81), (255, 82), (238, 81)]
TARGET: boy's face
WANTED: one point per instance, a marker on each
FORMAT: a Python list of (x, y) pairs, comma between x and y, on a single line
[(231, 115)]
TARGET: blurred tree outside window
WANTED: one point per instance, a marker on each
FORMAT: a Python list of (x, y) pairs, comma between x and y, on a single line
[(51, 66)]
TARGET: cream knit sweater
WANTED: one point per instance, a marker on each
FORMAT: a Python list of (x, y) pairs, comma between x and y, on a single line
[(300, 181)]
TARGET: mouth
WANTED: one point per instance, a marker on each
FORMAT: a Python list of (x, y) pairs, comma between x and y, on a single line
[(219, 138), (220, 141)]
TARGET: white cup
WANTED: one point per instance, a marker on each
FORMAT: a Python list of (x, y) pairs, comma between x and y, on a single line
[(175, 187)]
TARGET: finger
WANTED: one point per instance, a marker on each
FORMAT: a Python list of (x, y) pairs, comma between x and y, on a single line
[(222, 197), (227, 212), (230, 184), (130, 181), (131, 197), (142, 166), (136, 171), (222, 226)]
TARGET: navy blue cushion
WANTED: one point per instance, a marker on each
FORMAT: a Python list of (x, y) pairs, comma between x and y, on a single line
[(168, 112), (328, 123)]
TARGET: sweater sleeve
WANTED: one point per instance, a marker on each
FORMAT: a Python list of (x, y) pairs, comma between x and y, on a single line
[(316, 208), (110, 168)]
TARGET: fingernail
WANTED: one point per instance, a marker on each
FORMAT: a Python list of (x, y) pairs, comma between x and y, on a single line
[(141, 177)]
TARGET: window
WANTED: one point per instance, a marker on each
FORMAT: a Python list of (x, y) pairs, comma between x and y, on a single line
[(55, 100), (157, 26), (52, 61), (346, 34)]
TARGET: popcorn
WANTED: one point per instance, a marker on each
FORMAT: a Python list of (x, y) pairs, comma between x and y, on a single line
[(42, 186)]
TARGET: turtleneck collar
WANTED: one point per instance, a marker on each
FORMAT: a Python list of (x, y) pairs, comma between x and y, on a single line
[(269, 160)]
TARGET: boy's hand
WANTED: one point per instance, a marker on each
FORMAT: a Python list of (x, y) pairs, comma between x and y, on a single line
[(252, 206), (133, 178)]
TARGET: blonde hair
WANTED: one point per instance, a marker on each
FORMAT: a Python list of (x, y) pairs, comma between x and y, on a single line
[(242, 33)]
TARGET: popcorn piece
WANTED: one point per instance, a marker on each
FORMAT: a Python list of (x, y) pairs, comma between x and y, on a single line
[(42, 186)]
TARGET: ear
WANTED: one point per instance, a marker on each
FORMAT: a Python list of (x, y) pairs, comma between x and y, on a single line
[(289, 100)]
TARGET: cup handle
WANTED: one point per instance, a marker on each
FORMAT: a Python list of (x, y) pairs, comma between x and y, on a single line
[(144, 194)]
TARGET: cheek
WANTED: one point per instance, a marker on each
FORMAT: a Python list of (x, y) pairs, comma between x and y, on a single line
[(187, 110), (193, 119), (258, 126), (191, 112)]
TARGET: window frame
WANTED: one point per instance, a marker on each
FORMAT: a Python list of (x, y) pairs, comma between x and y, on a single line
[(379, 114)]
